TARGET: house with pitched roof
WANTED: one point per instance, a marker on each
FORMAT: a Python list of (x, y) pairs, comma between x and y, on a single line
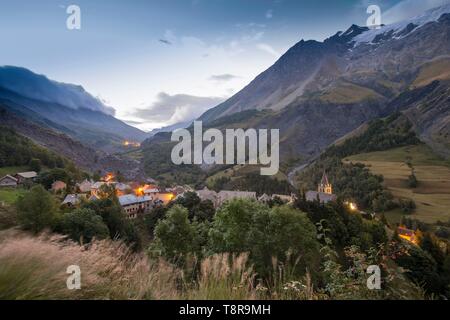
[(134, 205), (219, 198), (58, 186), (25, 176), (224, 196), (8, 181), (85, 186), (72, 200)]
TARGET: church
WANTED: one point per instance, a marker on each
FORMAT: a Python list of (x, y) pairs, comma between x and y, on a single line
[(324, 191)]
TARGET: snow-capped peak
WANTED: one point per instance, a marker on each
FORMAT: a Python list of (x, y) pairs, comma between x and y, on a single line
[(402, 28)]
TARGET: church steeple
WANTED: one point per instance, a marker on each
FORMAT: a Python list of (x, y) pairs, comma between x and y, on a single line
[(324, 185)]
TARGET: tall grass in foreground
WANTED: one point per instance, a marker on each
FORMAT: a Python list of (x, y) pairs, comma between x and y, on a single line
[(223, 277), (35, 268)]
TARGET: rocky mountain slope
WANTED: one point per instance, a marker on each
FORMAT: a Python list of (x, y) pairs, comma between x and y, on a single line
[(320, 91)]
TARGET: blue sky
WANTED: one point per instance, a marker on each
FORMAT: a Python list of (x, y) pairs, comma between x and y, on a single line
[(158, 62)]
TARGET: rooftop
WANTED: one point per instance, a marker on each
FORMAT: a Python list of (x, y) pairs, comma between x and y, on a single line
[(8, 176), (323, 197), (28, 174), (130, 199)]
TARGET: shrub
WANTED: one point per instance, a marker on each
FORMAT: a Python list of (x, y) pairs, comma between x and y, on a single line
[(36, 210), (175, 235), (83, 225)]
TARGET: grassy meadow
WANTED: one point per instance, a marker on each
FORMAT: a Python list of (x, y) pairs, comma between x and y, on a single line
[(432, 195), (12, 170), (239, 171), (10, 195)]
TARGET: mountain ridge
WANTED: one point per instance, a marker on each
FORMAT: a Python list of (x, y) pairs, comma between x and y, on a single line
[(330, 88), (86, 122)]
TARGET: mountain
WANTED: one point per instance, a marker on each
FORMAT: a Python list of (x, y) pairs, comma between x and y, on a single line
[(87, 158), (317, 92), (63, 107), (179, 125)]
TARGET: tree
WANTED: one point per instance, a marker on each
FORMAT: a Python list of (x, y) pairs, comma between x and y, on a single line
[(430, 244), (407, 205), (36, 210), (48, 177), (231, 224), (83, 225), (421, 268), (412, 180), (198, 209), (151, 219), (114, 218), (285, 234), (175, 236), (35, 165)]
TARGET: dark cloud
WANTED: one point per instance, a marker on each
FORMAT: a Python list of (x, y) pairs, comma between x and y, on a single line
[(165, 42), (172, 109), (223, 77)]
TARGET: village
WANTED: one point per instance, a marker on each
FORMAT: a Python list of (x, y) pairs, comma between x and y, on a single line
[(138, 199)]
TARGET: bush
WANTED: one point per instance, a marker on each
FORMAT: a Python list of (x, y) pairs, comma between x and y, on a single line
[(279, 234), (83, 225), (412, 181), (407, 205), (175, 235), (35, 165), (36, 210), (118, 225)]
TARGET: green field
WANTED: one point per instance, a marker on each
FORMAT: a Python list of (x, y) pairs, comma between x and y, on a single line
[(12, 170), (418, 155), (239, 171), (10, 195), (432, 196)]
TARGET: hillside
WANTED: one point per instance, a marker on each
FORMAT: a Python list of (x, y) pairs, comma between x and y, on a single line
[(52, 141), (374, 167), (432, 194), (16, 151), (65, 108)]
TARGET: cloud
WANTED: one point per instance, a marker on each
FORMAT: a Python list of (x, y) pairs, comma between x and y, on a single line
[(267, 48), (133, 122), (407, 9), (223, 77), (170, 109), (269, 14), (169, 38), (165, 41)]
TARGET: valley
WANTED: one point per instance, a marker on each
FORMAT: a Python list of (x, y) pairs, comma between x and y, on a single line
[(363, 124)]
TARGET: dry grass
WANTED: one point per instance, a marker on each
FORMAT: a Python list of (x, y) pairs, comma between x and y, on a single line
[(432, 196), (435, 70), (224, 277), (347, 93), (35, 268)]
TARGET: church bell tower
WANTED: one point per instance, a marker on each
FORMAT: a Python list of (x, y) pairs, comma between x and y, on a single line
[(324, 185)]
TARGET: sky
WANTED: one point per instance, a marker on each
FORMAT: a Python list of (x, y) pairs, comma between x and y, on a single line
[(159, 62)]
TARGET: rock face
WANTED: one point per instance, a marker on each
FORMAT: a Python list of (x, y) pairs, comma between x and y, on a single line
[(319, 91)]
